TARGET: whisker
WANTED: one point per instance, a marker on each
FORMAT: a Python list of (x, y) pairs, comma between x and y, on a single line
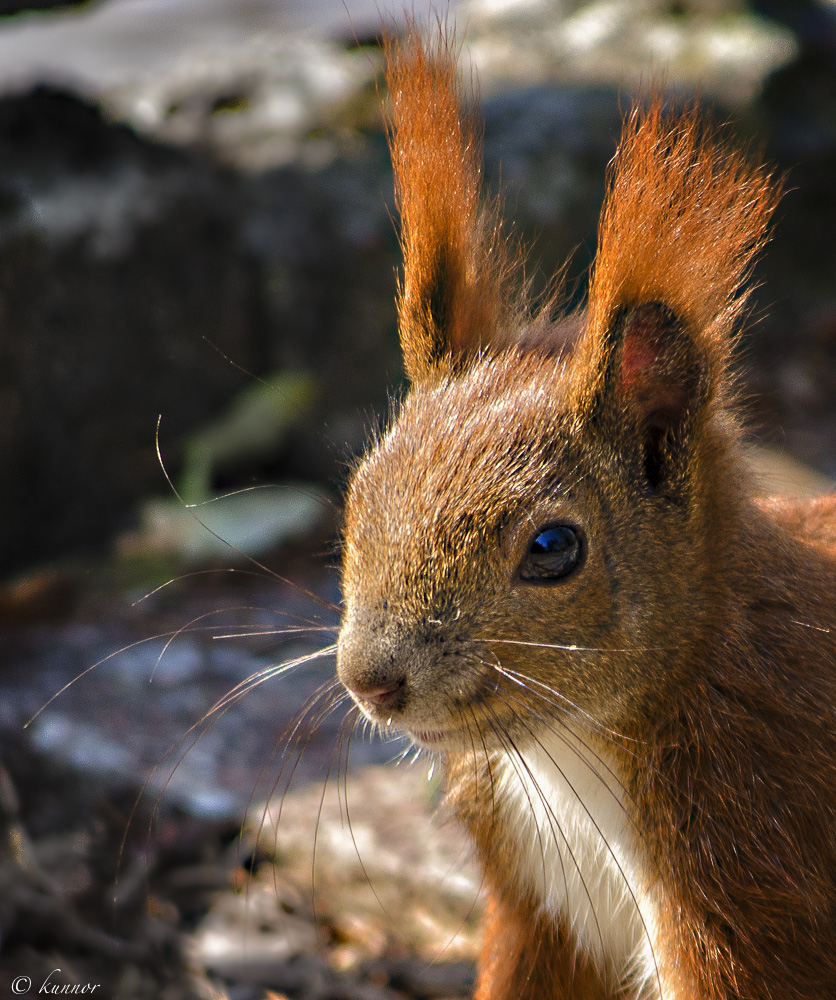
[(316, 598), (582, 716), (583, 649), (481, 885), (332, 695), (260, 677), (294, 630), (552, 726), (619, 867), (232, 361), (216, 712), (334, 691), (337, 750), (98, 663), (310, 494), (169, 637), (201, 572), (586, 719), (466, 726), (818, 628), (351, 827), (189, 626), (563, 703), (517, 760), (329, 693), (523, 681)]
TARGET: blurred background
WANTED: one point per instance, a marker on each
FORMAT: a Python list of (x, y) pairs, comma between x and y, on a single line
[(197, 333)]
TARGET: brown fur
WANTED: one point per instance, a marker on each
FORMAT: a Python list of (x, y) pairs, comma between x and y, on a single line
[(692, 650)]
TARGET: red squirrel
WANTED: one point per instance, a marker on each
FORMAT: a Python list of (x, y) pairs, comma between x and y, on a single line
[(558, 577)]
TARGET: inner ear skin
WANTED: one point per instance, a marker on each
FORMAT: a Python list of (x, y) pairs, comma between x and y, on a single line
[(657, 372)]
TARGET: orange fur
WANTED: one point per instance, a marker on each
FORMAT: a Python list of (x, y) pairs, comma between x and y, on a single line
[(682, 221), (456, 263), (526, 957)]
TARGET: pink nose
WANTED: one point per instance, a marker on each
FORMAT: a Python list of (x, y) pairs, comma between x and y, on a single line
[(379, 697)]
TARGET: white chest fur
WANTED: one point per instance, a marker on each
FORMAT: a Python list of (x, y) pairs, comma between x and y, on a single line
[(579, 851)]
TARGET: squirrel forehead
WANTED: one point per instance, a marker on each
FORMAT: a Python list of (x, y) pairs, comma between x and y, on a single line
[(469, 449)]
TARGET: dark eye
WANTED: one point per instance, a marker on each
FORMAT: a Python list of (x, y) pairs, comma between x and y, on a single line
[(552, 553)]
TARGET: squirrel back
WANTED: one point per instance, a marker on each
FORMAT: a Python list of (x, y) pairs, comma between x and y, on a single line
[(558, 577)]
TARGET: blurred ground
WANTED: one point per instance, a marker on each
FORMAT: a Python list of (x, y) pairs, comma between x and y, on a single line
[(195, 221)]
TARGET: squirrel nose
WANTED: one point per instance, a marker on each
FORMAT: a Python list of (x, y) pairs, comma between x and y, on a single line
[(380, 696), (369, 667)]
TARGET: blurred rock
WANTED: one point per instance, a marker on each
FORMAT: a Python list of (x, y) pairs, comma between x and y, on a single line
[(19, 6), (379, 850), (716, 47), (119, 262), (138, 280), (254, 937), (357, 883), (264, 102)]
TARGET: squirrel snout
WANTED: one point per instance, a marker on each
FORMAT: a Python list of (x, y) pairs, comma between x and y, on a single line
[(375, 679)]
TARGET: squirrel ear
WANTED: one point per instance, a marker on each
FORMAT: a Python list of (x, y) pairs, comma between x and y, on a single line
[(682, 222), (656, 382), (452, 301)]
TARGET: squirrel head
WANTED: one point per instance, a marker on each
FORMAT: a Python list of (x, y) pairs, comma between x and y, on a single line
[(537, 528)]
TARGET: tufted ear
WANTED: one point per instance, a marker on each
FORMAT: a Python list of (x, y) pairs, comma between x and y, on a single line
[(452, 299), (681, 224)]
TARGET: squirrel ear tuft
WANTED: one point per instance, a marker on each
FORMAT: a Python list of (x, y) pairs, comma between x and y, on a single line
[(452, 300)]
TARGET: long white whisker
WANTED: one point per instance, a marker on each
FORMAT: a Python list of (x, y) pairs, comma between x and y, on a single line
[(105, 659), (563, 703), (348, 818), (513, 751), (289, 741), (265, 674), (214, 571), (333, 695), (572, 648), (552, 726), (554, 730), (568, 708), (292, 630), (253, 562)]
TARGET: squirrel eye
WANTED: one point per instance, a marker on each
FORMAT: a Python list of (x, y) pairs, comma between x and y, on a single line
[(553, 553)]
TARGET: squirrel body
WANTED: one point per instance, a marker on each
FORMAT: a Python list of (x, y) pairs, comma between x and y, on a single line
[(558, 576)]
